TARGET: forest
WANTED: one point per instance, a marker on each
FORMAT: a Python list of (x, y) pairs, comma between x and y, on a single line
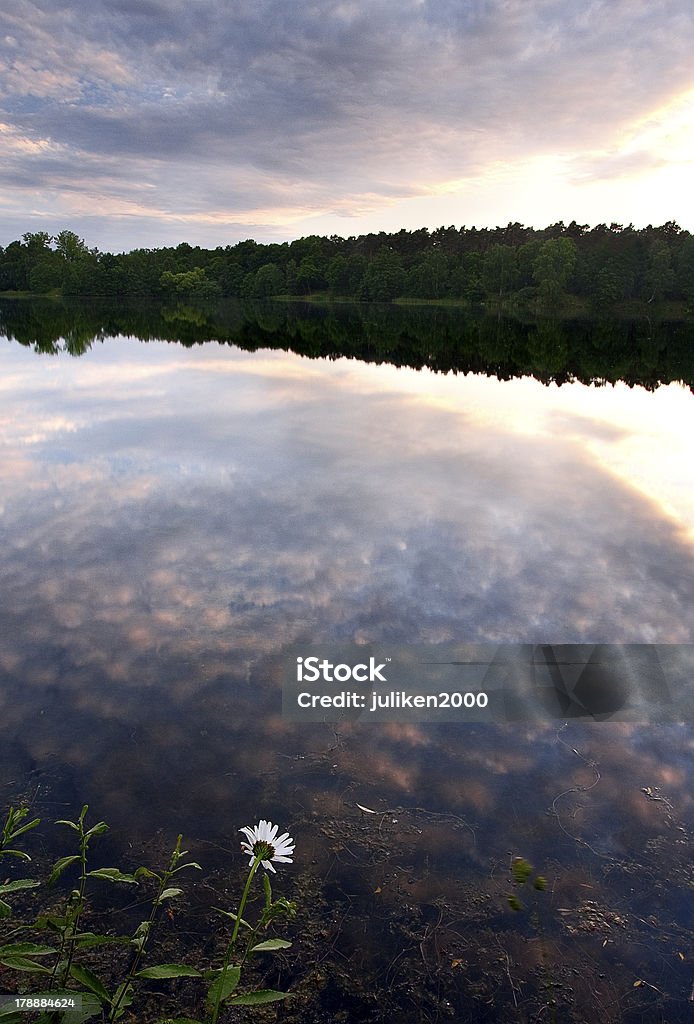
[(640, 351), (599, 269)]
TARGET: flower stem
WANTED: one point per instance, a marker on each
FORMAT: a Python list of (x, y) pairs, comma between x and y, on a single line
[(234, 936)]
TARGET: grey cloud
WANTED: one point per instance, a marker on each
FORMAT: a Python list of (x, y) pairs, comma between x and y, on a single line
[(333, 100)]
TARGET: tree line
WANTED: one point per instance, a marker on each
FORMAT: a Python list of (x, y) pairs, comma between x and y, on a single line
[(553, 350), (602, 266)]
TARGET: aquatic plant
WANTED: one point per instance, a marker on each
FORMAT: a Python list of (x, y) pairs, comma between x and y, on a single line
[(521, 873)]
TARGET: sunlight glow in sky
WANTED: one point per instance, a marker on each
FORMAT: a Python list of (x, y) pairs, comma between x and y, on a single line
[(152, 122)]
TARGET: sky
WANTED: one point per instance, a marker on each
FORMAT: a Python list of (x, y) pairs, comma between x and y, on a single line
[(151, 122)]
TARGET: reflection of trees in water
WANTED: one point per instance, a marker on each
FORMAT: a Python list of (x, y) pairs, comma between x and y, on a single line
[(439, 338)]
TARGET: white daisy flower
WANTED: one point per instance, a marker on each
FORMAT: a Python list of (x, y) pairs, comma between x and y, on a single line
[(263, 842)]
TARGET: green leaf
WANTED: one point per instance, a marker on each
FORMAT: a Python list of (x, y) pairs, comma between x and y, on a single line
[(540, 883), (5, 909), (15, 853), (86, 939), (70, 824), (20, 948), (283, 906), (96, 830), (19, 883), (227, 913), (514, 903), (169, 971), (268, 891), (50, 921), (112, 875), (24, 828), (270, 944), (60, 866), (223, 985), (141, 935), (263, 995), (190, 864), (90, 980), (169, 894), (91, 1007), (122, 998), (146, 873), (22, 963)]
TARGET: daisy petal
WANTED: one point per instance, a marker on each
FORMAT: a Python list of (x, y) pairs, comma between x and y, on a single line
[(262, 841)]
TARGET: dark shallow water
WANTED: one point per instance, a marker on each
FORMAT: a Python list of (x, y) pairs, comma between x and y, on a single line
[(174, 519)]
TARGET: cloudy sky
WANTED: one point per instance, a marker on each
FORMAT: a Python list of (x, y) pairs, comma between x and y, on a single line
[(149, 122)]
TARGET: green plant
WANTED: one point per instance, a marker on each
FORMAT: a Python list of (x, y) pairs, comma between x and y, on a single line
[(263, 847), (165, 892), (12, 830), (60, 966)]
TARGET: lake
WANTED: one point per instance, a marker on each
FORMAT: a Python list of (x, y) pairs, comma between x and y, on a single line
[(188, 493)]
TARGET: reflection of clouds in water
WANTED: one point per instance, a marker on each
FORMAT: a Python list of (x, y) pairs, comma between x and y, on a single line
[(113, 592), (477, 546), (155, 554)]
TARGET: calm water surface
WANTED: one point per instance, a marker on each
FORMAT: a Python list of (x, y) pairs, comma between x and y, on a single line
[(172, 519)]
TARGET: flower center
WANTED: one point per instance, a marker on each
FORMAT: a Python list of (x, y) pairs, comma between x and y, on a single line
[(263, 850)]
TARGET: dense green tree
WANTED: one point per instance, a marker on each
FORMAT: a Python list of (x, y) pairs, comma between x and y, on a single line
[(356, 268), (659, 276), (685, 271), (290, 285), (82, 276), (606, 290), (428, 279), (310, 247), (309, 276), (384, 278), (36, 242), (336, 274), (190, 283), (525, 261), (269, 280), (552, 269), (470, 276), (603, 265), (70, 246), (499, 270), (46, 273)]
